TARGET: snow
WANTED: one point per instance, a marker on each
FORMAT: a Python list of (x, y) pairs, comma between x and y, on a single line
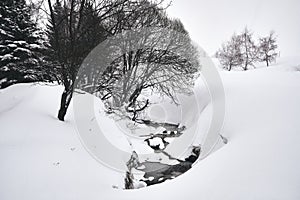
[(156, 141), (42, 158), (34, 46), (35, 149), (7, 57), (3, 80), (3, 32), (12, 45), (20, 42), (23, 50)]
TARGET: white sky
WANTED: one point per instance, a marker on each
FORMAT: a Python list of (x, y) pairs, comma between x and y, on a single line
[(211, 22)]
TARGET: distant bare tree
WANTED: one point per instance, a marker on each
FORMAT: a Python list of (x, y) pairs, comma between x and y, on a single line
[(267, 48), (230, 54), (242, 51), (248, 49)]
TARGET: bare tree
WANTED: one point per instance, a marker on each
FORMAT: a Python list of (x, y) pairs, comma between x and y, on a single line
[(75, 28), (130, 15), (157, 56), (242, 51), (230, 54), (267, 48), (248, 49)]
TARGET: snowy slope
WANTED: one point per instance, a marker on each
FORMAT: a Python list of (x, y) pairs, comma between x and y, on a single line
[(42, 158)]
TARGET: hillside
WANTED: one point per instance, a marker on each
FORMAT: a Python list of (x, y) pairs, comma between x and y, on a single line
[(43, 158)]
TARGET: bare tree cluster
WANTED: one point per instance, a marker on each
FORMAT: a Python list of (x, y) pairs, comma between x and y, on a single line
[(161, 61), (150, 51), (156, 55), (242, 51), (75, 28)]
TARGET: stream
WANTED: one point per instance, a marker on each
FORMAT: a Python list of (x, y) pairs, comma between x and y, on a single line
[(158, 172)]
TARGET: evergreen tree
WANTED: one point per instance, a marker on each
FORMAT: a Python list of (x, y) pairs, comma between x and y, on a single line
[(21, 48)]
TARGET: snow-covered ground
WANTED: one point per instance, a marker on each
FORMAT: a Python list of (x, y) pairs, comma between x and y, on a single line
[(43, 158)]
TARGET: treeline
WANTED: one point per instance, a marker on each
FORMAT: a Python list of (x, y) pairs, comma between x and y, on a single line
[(164, 61), (242, 51)]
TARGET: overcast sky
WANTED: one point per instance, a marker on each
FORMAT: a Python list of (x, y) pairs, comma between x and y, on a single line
[(211, 22)]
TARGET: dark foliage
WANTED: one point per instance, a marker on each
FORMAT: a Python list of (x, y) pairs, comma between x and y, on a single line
[(21, 46)]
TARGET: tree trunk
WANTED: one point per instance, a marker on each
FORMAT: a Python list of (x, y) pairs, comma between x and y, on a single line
[(229, 68), (267, 60), (246, 66), (65, 102)]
